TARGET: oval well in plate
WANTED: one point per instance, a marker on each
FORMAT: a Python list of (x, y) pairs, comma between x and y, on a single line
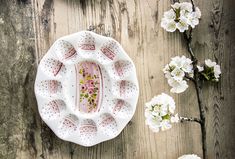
[(53, 109), (65, 51), (125, 89), (88, 131), (86, 42), (53, 67), (121, 108), (121, 69), (68, 125), (108, 124), (49, 88)]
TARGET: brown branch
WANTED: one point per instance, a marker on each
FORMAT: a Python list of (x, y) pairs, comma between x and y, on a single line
[(197, 84), (191, 119), (202, 113), (198, 87), (193, 5)]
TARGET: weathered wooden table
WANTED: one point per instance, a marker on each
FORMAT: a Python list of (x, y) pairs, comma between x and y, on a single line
[(28, 28)]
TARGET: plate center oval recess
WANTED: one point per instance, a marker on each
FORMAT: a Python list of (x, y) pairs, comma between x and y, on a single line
[(85, 87)]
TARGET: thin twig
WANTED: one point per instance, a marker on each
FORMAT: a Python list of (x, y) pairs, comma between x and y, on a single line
[(188, 37), (191, 119), (193, 5)]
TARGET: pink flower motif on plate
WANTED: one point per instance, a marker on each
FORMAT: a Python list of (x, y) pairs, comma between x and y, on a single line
[(89, 78)]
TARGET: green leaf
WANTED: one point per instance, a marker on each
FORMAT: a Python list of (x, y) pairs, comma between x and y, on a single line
[(167, 116), (80, 71), (81, 82), (86, 96), (205, 76)]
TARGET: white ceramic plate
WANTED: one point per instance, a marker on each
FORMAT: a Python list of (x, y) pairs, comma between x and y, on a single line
[(86, 88)]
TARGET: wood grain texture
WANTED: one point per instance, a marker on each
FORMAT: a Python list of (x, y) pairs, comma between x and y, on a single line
[(30, 27)]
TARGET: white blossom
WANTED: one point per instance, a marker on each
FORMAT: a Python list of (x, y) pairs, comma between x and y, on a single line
[(180, 17), (198, 12), (166, 71), (165, 124), (182, 25), (175, 118), (186, 6), (210, 63), (189, 156), (187, 65), (176, 5), (178, 86), (171, 26), (154, 123), (191, 74), (193, 20), (168, 21), (200, 68), (176, 71), (170, 15), (159, 112), (182, 62), (177, 61), (214, 67), (217, 71)]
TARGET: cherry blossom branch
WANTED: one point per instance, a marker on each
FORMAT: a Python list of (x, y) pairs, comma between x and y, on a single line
[(191, 119), (198, 86), (182, 17)]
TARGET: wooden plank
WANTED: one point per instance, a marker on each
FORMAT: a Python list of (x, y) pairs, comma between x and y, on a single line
[(30, 27), (18, 112), (220, 97)]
